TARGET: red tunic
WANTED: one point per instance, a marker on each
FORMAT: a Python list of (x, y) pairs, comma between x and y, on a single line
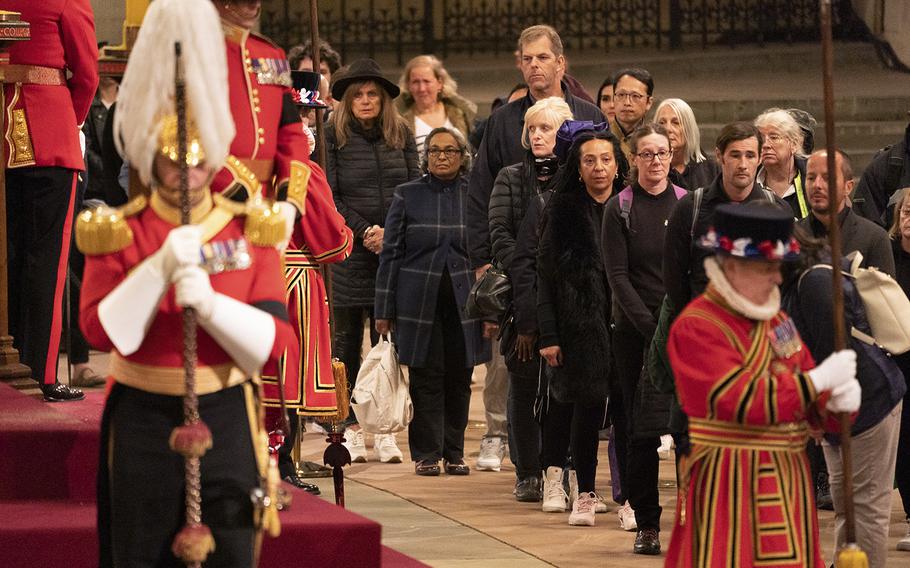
[(260, 284), (42, 121), (746, 497), (321, 238)]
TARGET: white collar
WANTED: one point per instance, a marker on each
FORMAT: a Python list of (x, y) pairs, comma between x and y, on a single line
[(735, 300)]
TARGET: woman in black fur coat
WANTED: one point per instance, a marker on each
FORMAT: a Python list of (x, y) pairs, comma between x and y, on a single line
[(574, 316)]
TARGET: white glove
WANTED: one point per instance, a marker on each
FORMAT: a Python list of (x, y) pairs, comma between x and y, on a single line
[(846, 397), (839, 368), (289, 212), (194, 290), (181, 248)]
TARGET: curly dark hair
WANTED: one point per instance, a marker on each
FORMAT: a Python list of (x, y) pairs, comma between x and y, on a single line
[(570, 180)]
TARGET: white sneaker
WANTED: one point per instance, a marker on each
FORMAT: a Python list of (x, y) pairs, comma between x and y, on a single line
[(492, 450), (386, 448), (666, 444), (583, 510), (573, 489), (627, 518), (555, 499), (904, 543), (353, 441), (600, 506)]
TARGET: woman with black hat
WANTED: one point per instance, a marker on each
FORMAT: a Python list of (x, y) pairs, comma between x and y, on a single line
[(370, 151), (749, 385)]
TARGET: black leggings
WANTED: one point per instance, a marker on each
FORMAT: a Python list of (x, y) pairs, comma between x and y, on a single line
[(576, 425)]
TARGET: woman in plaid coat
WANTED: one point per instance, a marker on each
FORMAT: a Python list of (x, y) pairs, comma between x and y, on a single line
[(421, 287)]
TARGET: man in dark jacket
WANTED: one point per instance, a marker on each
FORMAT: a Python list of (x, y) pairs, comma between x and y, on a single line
[(888, 172), (857, 233), (737, 152), (543, 67)]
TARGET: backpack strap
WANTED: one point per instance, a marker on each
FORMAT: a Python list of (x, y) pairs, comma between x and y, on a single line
[(769, 195), (895, 167), (697, 197), (679, 191), (625, 205)]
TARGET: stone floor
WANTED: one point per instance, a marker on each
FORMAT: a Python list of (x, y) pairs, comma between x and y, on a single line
[(474, 522)]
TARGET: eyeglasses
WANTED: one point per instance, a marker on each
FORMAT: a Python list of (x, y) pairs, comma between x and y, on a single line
[(634, 97), (662, 155), (449, 152), (774, 138)]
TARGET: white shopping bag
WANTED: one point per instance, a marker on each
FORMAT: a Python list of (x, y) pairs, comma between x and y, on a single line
[(381, 399)]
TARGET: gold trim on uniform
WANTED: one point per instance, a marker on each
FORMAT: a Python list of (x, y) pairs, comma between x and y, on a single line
[(264, 224), (103, 230), (170, 380), (297, 185), (17, 134), (243, 175)]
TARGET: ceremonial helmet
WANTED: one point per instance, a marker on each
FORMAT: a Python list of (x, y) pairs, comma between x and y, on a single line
[(758, 230), (188, 33)]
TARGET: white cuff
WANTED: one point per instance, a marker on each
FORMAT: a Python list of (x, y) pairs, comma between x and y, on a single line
[(127, 312), (246, 333)]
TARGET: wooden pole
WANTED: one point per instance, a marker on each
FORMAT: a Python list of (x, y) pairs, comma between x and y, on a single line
[(834, 239), (13, 29)]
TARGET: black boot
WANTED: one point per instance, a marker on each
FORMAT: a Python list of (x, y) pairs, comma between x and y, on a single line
[(823, 499)]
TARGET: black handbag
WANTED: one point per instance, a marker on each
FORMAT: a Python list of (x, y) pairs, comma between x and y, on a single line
[(490, 296)]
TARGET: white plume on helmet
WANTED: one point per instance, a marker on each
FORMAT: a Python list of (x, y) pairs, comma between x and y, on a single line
[(147, 92)]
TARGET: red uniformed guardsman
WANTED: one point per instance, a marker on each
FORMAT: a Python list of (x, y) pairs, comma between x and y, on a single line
[(142, 270), (43, 114), (270, 156)]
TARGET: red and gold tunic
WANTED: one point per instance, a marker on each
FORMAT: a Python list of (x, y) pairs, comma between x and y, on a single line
[(746, 498), (157, 366), (44, 108)]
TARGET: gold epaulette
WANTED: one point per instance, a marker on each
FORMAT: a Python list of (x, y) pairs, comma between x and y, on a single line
[(264, 223), (104, 230), (235, 208)]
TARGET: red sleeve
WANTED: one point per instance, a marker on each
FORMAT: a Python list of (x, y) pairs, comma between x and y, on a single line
[(322, 229), (80, 53), (268, 291), (292, 142), (102, 274), (714, 381)]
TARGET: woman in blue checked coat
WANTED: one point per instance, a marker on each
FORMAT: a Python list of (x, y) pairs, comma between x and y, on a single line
[(421, 287)]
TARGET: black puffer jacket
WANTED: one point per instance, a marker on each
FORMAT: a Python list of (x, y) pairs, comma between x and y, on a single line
[(513, 190), (363, 175)]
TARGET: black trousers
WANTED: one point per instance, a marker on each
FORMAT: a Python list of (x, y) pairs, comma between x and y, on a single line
[(524, 429), (575, 426), (39, 205), (349, 342), (639, 466), (902, 468), (146, 479), (441, 389)]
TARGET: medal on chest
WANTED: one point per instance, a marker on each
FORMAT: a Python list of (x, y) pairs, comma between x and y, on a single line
[(272, 71), (226, 256), (785, 339)]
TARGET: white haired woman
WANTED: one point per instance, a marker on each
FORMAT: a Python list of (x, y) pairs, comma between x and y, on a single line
[(690, 167), (515, 187), (429, 99), (783, 164)]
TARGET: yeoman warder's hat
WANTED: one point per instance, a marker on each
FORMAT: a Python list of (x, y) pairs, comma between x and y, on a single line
[(305, 87), (752, 231), (362, 70)]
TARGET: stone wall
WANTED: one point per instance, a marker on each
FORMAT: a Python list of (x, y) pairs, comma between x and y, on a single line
[(109, 16)]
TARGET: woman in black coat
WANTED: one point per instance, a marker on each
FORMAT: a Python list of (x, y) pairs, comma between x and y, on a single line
[(370, 152), (421, 287), (574, 317), (515, 187)]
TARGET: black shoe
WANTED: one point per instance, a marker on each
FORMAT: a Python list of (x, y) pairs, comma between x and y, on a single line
[(647, 541), (527, 490), (58, 392), (299, 483), (823, 499)]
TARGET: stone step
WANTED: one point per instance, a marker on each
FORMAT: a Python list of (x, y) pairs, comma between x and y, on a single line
[(852, 109), (859, 134)]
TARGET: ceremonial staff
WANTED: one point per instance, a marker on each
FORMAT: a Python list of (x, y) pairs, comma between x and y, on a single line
[(850, 556), (336, 455), (191, 440), (11, 29)]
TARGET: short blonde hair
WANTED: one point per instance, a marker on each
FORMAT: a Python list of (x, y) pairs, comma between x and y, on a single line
[(895, 232), (449, 86), (552, 110), (784, 122)]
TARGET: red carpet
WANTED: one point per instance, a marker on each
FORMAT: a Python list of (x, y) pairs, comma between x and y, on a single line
[(47, 495)]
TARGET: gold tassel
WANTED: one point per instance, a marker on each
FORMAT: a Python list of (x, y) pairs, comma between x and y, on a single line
[(102, 230), (851, 556), (342, 395), (264, 224)]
